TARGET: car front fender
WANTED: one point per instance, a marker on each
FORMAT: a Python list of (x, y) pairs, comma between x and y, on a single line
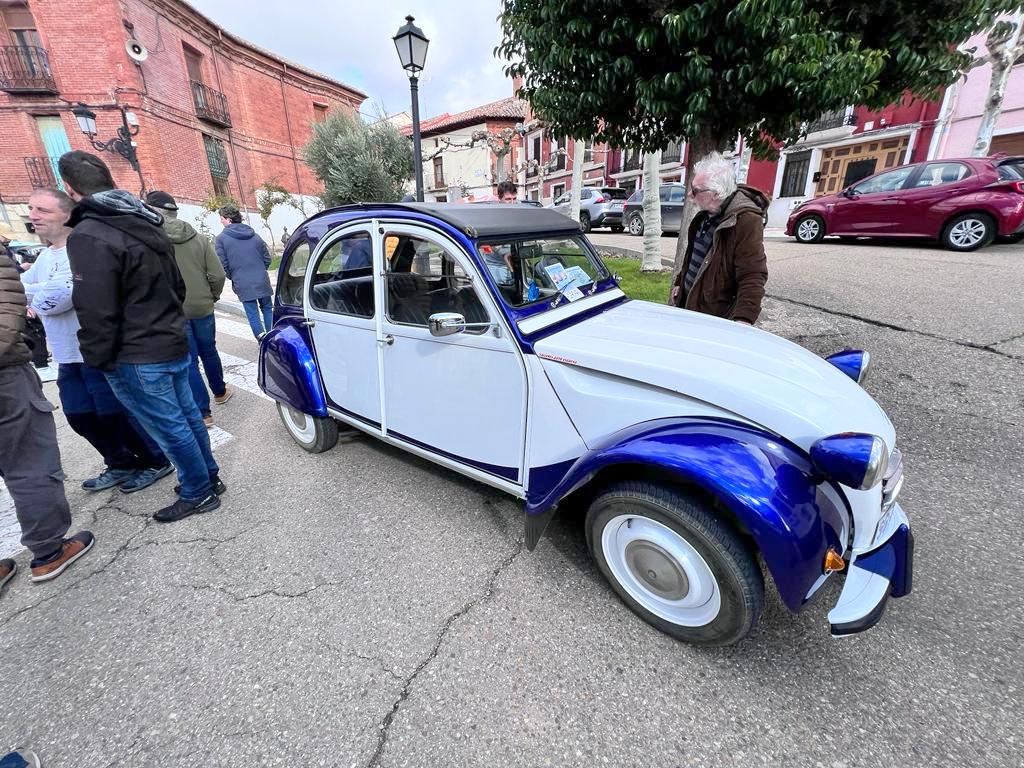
[(288, 371), (767, 484)]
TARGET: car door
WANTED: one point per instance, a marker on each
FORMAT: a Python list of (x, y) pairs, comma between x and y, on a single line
[(463, 396), (870, 207), (673, 198), (933, 184), (342, 310)]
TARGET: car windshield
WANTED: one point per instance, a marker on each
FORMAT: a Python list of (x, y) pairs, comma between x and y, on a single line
[(557, 270)]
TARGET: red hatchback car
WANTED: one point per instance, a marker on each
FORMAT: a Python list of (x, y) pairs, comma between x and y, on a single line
[(964, 203)]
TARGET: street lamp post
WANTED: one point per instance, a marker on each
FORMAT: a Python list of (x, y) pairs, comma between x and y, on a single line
[(121, 144), (412, 44)]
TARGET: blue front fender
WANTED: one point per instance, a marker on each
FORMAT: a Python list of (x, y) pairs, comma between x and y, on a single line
[(768, 484), (288, 372)]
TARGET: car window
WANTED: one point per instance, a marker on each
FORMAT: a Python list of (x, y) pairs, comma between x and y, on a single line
[(343, 280), (676, 195), (424, 279), (663, 194), (294, 276), (585, 194), (615, 193), (1011, 171), (936, 174), (636, 197), (884, 182)]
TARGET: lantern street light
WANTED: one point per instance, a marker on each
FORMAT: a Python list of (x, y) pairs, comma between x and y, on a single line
[(412, 44), (121, 144)]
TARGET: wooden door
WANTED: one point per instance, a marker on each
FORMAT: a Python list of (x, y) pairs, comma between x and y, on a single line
[(835, 161)]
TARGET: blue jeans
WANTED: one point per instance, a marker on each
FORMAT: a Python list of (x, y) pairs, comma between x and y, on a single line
[(159, 396), (252, 312), (202, 343)]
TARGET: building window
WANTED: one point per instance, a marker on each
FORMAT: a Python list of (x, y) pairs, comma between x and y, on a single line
[(319, 112), (794, 175), (217, 159), (193, 63), (438, 172)]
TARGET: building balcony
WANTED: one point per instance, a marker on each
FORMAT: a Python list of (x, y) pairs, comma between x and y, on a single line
[(25, 69), (832, 120), (632, 162), (557, 163), (531, 171), (42, 171), (673, 153), (211, 105)]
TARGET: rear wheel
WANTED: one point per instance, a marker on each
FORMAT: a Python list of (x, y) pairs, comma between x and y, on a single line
[(584, 221), (809, 229), (968, 232), (312, 433), (675, 563), (636, 224)]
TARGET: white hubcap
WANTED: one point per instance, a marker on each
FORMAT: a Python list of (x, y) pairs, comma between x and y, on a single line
[(661, 570), (299, 424), (966, 233), (808, 229)]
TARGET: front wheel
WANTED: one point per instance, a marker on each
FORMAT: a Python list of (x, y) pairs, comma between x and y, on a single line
[(809, 229), (312, 433), (968, 232), (636, 225), (675, 563)]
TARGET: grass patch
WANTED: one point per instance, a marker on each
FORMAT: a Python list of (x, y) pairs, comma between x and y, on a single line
[(646, 286), (275, 263)]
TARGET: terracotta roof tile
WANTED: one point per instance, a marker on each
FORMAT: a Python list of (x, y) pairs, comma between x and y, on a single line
[(504, 109)]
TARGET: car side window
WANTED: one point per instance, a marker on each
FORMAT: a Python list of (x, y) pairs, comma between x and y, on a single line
[(424, 279), (884, 182), (663, 194), (290, 291), (936, 174), (343, 280), (676, 195), (586, 194)]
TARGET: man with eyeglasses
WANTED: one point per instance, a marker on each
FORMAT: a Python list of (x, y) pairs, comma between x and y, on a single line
[(725, 269)]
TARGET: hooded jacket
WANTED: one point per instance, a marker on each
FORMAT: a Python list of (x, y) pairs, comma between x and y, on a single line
[(13, 350), (245, 258), (199, 268), (731, 280), (127, 289)]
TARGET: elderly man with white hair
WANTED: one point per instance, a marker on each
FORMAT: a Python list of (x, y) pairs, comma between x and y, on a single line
[(725, 270)]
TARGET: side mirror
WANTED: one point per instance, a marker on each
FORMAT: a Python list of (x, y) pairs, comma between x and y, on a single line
[(848, 193), (446, 323)]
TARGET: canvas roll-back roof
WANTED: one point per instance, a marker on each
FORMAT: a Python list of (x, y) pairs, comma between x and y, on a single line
[(477, 220)]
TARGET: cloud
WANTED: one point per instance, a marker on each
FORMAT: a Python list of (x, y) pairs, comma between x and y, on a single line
[(351, 42)]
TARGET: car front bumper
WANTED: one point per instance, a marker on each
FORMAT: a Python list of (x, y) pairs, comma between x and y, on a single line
[(874, 576)]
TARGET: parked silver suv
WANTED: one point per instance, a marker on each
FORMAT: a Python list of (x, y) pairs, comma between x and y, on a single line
[(599, 207)]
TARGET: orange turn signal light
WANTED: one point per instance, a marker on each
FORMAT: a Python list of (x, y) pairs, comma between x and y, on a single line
[(834, 561)]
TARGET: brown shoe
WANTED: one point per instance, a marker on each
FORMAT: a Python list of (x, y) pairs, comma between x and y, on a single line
[(7, 569), (71, 550), (221, 399), (208, 421)]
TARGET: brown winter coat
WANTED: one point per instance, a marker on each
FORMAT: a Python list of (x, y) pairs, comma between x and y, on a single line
[(13, 350), (731, 280)]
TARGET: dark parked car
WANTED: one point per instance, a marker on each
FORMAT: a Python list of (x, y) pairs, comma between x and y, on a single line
[(673, 197), (964, 203)]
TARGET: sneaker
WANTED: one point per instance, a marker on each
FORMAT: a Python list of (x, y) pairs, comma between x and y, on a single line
[(181, 509), (218, 487), (23, 758), (208, 420), (7, 569), (44, 569), (221, 399), (143, 478), (108, 478), (47, 373)]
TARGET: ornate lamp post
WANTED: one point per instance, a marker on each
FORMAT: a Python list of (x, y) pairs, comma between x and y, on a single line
[(412, 44), (121, 144)]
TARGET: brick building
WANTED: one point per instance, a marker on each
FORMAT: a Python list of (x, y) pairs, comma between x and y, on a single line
[(215, 113)]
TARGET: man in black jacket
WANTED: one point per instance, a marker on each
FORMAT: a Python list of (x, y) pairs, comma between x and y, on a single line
[(128, 295)]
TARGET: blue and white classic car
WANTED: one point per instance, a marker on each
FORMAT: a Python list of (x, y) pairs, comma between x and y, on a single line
[(492, 340)]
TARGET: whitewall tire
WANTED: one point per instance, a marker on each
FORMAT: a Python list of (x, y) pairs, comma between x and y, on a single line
[(312, 433)]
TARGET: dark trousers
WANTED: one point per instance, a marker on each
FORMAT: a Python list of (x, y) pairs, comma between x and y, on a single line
[(93, 411), (30, 460)]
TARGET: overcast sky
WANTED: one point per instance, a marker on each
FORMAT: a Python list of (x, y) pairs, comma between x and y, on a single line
[(351, 42)]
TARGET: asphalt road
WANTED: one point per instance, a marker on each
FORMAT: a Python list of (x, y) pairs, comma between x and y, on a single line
[(362, 607)]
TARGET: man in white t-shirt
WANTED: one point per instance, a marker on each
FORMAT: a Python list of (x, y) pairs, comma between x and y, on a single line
[(133, 459)]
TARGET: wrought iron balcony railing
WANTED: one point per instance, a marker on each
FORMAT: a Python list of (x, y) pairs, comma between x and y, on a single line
[(632, 162), (211, 105), (42, 171), (673, 153), (831, 120), (25, 69)]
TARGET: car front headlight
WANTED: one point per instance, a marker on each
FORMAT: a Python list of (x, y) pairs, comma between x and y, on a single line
[(854, 459)]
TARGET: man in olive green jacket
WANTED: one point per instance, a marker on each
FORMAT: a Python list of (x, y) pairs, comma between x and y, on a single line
[(203, 275)]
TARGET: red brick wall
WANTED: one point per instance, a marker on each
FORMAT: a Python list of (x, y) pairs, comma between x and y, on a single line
[(270, 103)]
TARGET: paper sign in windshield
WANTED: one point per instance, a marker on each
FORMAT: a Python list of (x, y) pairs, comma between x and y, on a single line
[(565, 280)]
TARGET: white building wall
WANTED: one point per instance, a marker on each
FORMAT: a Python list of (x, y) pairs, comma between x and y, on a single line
[(463, 166)]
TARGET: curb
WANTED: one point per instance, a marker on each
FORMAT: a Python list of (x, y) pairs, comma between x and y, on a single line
[(230, 307)]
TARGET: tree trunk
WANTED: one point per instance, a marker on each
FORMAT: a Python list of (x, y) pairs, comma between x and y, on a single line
[(697, 148), (1002, 53), (578, 151), (652, 213)]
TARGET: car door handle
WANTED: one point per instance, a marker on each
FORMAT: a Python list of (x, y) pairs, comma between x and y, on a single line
[(387, 340)]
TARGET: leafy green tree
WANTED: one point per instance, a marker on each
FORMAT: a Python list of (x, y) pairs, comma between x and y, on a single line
[(212, 203), (642, 73), (269, 196), (357, 162)]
